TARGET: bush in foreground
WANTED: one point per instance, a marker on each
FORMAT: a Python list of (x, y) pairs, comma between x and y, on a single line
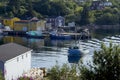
[(25, 78), (105, 66), (63, 73), (1, 76)]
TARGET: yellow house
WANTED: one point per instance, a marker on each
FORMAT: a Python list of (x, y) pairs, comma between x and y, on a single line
[(19, 40), (29, 25), (10, 21), (8, 39)]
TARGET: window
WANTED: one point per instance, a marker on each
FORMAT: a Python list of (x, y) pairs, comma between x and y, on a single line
[(17, 59), (26, 55), (22, 56), (6, 21)]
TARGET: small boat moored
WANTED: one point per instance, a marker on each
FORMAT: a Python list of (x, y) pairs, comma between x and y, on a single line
[(74, 51), (34, 34)]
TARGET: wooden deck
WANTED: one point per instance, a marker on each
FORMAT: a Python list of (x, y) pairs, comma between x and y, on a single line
[(71, 34), (77, 35), (45, 35)]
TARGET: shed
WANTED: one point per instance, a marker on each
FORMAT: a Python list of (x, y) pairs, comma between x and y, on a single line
[(15, 59)]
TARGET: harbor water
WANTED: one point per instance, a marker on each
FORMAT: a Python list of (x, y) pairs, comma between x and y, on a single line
[(47, 53)]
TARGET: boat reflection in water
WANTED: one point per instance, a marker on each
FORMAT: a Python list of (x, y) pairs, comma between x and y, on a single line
[(74, 59), (74, 54)]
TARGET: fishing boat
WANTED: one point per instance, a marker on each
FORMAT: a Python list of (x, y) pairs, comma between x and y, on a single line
[(77, 51), (34, 34), (74, 51)]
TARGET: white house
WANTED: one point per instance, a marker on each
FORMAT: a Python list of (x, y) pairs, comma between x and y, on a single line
[(14, 60), (55, 22)]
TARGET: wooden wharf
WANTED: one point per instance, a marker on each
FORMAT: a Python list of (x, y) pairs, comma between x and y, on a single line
[(77, 35)]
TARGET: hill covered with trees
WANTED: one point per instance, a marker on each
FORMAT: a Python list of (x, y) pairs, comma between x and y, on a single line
[(72, 10)]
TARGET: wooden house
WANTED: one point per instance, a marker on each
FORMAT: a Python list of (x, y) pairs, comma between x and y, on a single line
[(10, 22), (14, 60)]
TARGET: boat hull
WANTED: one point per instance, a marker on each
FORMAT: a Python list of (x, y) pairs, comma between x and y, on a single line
[(60, 37), (74, 52), (73, 59)]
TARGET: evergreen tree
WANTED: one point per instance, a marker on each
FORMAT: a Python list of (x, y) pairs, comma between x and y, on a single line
[(84, 16), (14, 6)]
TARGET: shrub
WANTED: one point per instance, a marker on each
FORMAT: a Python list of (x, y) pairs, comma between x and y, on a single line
[(105, 66)]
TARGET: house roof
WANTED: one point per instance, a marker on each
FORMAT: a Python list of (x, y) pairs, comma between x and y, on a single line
[(26, 21), (34, 18), (11, 50), (8, 18), (22, 21), (54, 17)]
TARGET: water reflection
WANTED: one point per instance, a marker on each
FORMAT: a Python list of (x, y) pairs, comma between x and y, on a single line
[(101, 33), (74, 59), (1, 40), (47, 52)]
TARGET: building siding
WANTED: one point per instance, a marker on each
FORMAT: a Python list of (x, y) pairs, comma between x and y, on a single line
[(31, 26), (17, 66), (10, 22), (55, 22), (19, 26)]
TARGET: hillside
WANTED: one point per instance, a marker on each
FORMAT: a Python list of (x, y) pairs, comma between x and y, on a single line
[(73, 10)]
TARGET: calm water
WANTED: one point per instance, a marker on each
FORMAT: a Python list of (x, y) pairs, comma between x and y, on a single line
[(47, 52)]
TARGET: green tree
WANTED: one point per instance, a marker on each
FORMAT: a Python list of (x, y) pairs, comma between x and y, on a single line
[(30, 6), (108, 19), (24, 78), (106, 65), (14, 6), (84, 16), (92, 17), (63, 73)]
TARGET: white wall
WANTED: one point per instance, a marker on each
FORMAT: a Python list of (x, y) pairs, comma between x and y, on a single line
[(15, 68)]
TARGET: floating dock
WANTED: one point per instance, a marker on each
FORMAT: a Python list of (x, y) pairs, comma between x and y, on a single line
[(47, 35), (15, 33), (77, 35)]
